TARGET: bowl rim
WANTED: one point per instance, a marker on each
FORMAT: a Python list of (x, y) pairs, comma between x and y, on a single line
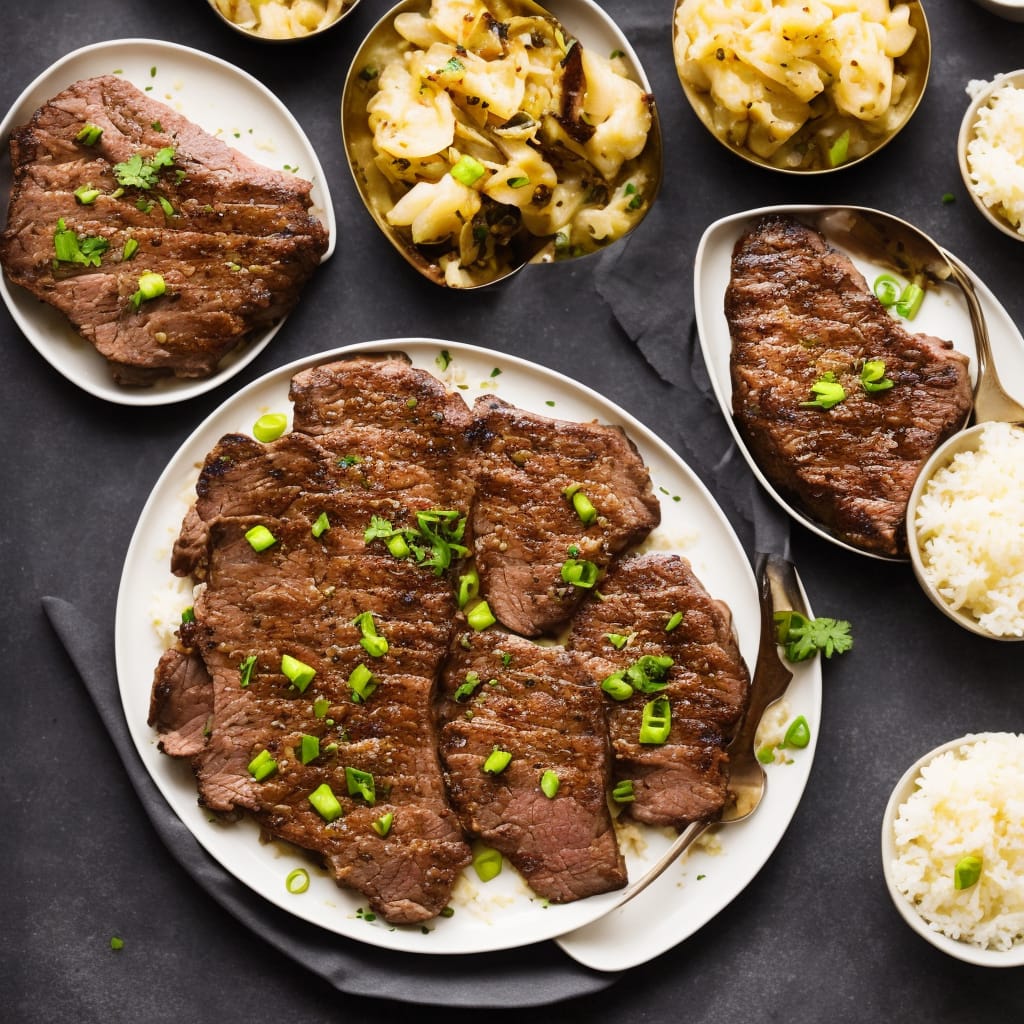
[(967, 439), (966, 133), (701, 107), (901, 792), (348, 7)]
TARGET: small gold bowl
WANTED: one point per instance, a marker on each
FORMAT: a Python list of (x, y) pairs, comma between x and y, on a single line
[(282, 21), (968, 130), (818, 147)]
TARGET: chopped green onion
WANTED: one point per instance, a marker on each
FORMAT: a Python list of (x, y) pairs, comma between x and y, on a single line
[(325, 803), (873, 378), (948, 197), (647, 674), (151, 286), (131, 246), (579, 572), (616, 686), (518, 182), (165, 205), (766, 754), (398, 546), (909, 302), (89, 134), (309, 748), (374, 645), (798, 734), (361, 783), (269, 426), (469, 587), (839, 151), (549, 783), (298, 672), (443, 359), (673, 622), (260, 538), (828, 390), (262, 766), (361, 683), (497, 761), (297, 881), (584, 508), (466, 690), (188, 614), (887, 289), (623, 792), (467, 170), (967, 872), (116, 943), (321, 706), (68, 247), (480, 616), (86, 194), (321, 525), (486, 863), (617, 640), (656, 721), (245, 671), (382, 826)]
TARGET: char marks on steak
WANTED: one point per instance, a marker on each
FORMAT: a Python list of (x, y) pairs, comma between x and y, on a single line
[(523, 524), (539, 705), (685, 779), (234, 255), (798, 309), (301, 597)]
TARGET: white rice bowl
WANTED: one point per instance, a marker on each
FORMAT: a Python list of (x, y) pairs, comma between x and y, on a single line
[(995, 154), (970, 531), (968, 800)]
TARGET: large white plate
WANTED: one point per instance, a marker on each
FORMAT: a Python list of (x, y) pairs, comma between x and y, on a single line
[(943, 314), (501, 914), (222, 99)]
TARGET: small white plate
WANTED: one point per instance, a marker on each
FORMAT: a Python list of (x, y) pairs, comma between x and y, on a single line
[(503, 913), (222, 99), (943, 314)]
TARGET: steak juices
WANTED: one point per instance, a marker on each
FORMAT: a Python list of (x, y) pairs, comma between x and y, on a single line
[(332, 686)]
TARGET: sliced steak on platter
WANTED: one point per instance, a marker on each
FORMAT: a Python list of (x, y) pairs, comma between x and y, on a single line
[(684, 778), (799, 310), (234, 241)]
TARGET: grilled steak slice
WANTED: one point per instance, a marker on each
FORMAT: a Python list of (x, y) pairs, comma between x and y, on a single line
[(524, 525), (181, 703), (537, 704), (302, 597), (234, 253), (797, 310), (684, 779)]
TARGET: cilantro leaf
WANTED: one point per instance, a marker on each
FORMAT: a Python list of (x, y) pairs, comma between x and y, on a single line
[(138, 172), (803, 637)]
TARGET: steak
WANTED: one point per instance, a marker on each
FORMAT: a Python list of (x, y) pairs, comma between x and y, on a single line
[(685, 778), (234, 244), (181, 704), (798, 310), (501, 692), (309, 597), (526, 528)]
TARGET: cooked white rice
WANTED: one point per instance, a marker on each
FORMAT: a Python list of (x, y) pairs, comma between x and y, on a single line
[(968, 802), (995, 156), (970, 529)]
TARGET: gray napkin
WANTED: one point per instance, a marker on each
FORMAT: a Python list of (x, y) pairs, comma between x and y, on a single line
[(532, 976)]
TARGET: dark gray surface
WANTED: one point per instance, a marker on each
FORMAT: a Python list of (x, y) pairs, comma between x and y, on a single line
[(814, 937)]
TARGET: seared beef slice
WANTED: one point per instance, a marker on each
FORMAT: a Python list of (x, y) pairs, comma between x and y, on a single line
[(797, 310), (524, 525), (686, 778), (301, 597), (234, 252), (538, 705)]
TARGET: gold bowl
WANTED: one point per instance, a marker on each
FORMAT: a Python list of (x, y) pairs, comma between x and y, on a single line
[(282, 21)]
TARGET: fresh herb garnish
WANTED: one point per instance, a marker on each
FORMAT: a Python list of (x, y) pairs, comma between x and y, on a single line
[(70, 247), (828, 392), (803, 637), (142, 172), (433, 543), (873, 378)]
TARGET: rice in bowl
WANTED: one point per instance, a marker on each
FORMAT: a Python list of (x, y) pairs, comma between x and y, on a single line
[(969, 525), (995, 154), (967, 802)]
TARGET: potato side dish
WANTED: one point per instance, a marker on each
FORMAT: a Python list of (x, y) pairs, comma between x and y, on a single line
[(495, 132), (802, 84), (281, 19)]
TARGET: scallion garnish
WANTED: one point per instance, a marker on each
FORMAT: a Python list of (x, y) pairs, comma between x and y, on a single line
[(325, 803), (361, 783), (151, 286), (967, 872), (320, 707), (297, 881), (518, 182), (909, 302), (297, 672), (839, 151), (872, 376), (245, 671), (70, 247), (497, 761), (188, 614), (486, 863), (382, 826), (798, 734), (361, 683), (618, 640), (309, 748), (260, 538), (374, 645), (623, 792), (269, 426), (320, 525), (480, 616), (581, 504), (89, 134), (828, 392), (579, 572), (469, 587), (131, 246), (616, 686), (468, 170), (466, 690), (262, 766), (443, 359), (656, 721), (86, 194), (549, 783), (887, 289), (673, 622)]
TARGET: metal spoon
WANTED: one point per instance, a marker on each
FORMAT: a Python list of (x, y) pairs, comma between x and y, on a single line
[(583, 20), (778, 589)]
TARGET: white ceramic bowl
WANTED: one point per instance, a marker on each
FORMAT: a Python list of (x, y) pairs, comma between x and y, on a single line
[(965, 441), (960, 950), (1012, 10), (967, 127)]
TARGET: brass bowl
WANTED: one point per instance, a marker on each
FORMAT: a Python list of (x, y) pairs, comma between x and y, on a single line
[(585, 21), (914, 64), (249, 24)]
